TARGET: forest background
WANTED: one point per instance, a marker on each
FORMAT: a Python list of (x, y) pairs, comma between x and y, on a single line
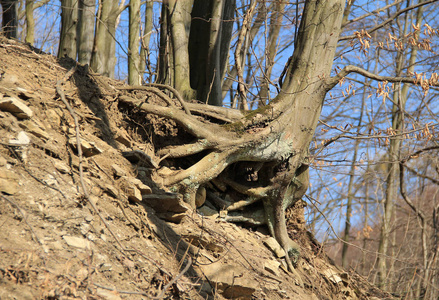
[(372, 199)]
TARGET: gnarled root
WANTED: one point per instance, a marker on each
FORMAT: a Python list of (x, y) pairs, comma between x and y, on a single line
[(258, 165)]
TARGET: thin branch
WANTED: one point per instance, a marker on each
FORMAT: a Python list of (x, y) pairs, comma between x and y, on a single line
[(162, 294), (390, 19), (333, 81), (24, 218), (61, 93)]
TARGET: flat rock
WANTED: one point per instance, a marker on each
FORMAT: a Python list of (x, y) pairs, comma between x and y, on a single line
[(3, 161), (272, 266), (143, 188), (107, 294), (332, 275), (233, 281), (166, 202), (9, 187), (118, 171), (8, 181), (61, 167), (274, 246), (16, 107), (124, 139), (35, 129), (77, 242), (88, 149), (22, 139), (134, 188)]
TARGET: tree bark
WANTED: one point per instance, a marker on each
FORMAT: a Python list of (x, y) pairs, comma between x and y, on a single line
[(134, 73), (30, 23), (86, 24), (209, 41), (103, 58), (146, 37), (69, 21), (179, 25)]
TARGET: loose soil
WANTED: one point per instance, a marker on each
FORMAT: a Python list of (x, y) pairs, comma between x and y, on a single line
[(54, 244)]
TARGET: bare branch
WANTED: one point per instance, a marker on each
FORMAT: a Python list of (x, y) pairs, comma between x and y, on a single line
[(390, 19), (354, 69)]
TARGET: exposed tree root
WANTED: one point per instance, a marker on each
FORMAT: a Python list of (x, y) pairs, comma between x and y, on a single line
[(256, 161)]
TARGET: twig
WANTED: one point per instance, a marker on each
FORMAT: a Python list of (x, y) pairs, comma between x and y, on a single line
[(30, 173), (24, 218), (121, 292), (189, 263), (119, 201), (60, 92), (145, 294)]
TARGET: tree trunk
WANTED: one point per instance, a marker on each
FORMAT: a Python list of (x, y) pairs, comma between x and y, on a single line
[(30, 23), (277, 148), (209, 41), (10, 18), (69, 21), (103, 58), (349, 204), (144, 47), (398, 108), (178, 25), (134, 73), (273, 36), (86, 23)]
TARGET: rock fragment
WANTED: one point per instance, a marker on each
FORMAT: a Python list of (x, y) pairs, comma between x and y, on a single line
[(8, 181), (16, 107), (274, 246), (88, 149), (233, 281), (272, 266), (77, 242)]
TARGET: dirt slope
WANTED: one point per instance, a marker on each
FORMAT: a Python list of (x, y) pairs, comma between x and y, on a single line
[(111, 240)]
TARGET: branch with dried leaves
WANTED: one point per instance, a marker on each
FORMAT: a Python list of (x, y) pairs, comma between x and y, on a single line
[(333, 81)]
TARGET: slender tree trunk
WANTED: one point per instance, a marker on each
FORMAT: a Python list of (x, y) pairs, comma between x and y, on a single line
[(134, 73), (270, 52), (398, 108), (103, 58), (179, 22), (30, 23), (86, 24), (165, 71), (146, 37), (69, 21), (209, 41), (351, 195)]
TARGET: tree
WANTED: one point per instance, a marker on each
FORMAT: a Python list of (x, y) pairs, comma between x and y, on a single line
[(86, 20), (68, 35), (273, 141), (270, 143), (134, 73), (193, 56), (103, 58)]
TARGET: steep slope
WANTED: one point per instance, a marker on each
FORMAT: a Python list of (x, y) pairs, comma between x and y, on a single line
[(83, 217)]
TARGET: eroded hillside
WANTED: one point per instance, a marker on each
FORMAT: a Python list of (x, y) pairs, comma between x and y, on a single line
[(97, 224)]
